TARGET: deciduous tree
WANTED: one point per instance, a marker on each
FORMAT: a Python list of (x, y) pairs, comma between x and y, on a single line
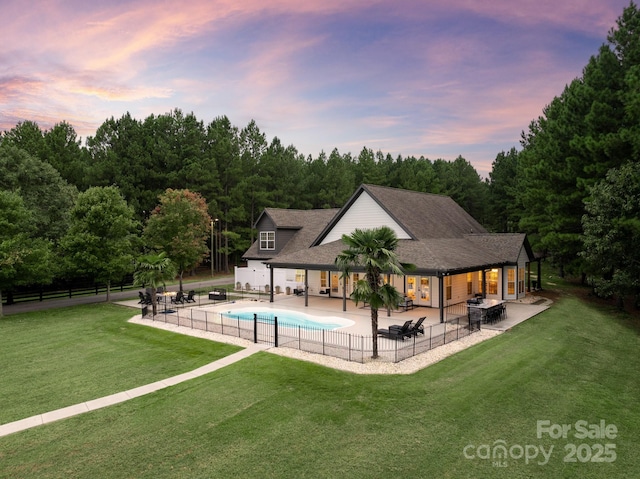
[(102, 239), (24, 258), (180, 226)]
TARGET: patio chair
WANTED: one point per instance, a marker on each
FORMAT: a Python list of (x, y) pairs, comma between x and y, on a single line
[(142, 298), (147, 298), (190, 297), (178, 298), (396, 331), (418, 328)]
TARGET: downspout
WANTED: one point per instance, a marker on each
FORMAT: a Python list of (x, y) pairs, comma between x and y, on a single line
[(306, 288)]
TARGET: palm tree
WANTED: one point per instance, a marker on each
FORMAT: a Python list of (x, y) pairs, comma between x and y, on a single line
[(153, 270), (374, 251)]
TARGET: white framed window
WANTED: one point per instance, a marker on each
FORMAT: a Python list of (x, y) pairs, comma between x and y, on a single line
[(267, 240), (323, 279), (511, 281), (300, 276), (469, 283), (521, 280), (448, 282), (492, 281)]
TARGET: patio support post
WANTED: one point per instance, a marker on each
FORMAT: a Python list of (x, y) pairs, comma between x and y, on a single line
[(388, 307), (441, 296), (344, 294), (306, 288), (484, 283), (539, 274), (271, 283)]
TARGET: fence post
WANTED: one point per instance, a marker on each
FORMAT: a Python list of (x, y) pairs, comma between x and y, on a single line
[(445, 332), (415, 336), (323, 342), (275, 329), (255, 328), (299, 343), (430, 336), (458, 329), (395, 347), (349, 346)]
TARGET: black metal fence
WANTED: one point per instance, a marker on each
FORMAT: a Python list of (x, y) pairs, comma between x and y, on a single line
[(339, 344), (57, 291)]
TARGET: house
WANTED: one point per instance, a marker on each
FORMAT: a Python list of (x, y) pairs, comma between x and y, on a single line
[(455, 257)]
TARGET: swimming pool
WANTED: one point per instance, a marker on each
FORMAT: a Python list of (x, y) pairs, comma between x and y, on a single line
[(290, 318)]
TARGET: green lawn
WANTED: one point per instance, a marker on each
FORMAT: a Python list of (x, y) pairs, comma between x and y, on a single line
[(273, 417), (62, 357)]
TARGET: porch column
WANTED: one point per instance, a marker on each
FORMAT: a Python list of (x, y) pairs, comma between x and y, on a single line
[(344, 294), (389, 283), (271, 283), (306, 288), (484, 283), (539, 274), (441, 296), (529, 277)]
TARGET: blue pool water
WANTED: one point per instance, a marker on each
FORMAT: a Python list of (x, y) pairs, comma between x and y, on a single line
[(290, 318)]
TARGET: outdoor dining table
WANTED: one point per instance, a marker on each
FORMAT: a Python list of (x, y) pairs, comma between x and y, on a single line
[(486, 309)]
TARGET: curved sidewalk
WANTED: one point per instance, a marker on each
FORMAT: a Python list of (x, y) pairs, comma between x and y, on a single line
[(70, 411)]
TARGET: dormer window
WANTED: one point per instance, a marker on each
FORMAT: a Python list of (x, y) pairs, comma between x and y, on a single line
[(267, 240)]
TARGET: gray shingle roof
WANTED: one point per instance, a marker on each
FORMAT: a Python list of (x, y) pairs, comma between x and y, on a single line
[(426, 215), (309, 223), (423, 215), (429, 256), (446, 238)]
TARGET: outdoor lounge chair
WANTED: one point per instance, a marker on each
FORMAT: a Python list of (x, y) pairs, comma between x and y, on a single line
[(418, 328), (396, 331)]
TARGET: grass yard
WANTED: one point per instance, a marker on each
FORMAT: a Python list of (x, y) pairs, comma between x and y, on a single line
[(62, 357), (273, 417)]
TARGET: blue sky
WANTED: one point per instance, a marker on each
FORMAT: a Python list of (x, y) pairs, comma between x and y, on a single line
[(433, 78)]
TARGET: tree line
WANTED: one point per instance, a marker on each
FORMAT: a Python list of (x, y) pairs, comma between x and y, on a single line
[(577, 165)]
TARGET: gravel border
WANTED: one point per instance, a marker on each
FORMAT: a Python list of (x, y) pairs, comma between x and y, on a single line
[(408, 366)]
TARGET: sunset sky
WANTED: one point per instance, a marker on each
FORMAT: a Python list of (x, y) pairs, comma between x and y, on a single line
[(439, 78)]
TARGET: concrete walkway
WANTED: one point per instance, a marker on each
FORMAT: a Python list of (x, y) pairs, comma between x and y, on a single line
[(106, 401)]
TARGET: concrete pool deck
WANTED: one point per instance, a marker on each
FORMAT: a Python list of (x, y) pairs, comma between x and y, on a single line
[(517, 311)]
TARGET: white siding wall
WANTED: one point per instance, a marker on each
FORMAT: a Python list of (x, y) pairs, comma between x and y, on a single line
[(458, 289), (365, 213)]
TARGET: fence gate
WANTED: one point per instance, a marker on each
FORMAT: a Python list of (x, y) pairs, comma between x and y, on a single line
[(265, 330)]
